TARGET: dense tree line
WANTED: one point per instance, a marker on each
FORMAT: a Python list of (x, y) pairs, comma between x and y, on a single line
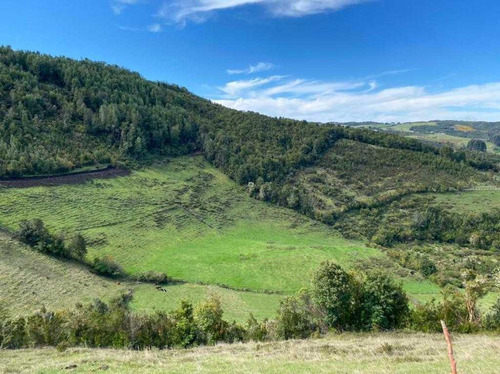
[(338, 300), (59, 114), (36, 235)]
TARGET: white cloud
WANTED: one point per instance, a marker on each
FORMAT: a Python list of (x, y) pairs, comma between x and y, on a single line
[(154, 28), (235, 88), (360, 100), (294, 87), (261, 66), (180, 11), (299, 8), (118, 6)]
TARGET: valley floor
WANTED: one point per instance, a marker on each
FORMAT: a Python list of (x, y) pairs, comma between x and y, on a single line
[(349, 353)]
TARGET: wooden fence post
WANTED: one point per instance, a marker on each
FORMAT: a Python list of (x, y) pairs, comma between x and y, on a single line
[(450, 348)]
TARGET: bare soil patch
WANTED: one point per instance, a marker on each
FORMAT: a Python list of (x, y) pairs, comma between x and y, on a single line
[(57, 180)]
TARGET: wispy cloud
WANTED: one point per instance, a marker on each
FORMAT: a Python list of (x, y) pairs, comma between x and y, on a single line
[(155, 28), (261, 66), (180, 11), (245, 87), (359, 100), (118, 6), (299, 8)]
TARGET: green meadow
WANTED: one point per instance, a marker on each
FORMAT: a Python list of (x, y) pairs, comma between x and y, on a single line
[(185, 218), (30, 280)]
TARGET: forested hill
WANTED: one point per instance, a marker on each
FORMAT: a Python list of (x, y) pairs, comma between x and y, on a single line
[(59, 115)]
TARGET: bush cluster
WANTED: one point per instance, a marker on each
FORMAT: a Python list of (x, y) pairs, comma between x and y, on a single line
[(338, 300), (345, 302), (36, 235), (152, 277), (434, 224), (114, 325), (108, 267)]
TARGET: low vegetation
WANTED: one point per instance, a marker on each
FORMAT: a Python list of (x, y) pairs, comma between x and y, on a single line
[(360, 353), (338, 300)]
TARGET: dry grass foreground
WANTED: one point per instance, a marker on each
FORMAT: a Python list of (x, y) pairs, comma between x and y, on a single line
[(349, 353)]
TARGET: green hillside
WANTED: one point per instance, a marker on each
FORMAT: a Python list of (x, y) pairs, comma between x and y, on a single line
[(230, 204), (31, 280), (63, 115), (195, 224), (187, 219), (353, 174)]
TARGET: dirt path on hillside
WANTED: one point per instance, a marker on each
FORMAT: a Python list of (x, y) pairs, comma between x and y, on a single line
[(74, 178)]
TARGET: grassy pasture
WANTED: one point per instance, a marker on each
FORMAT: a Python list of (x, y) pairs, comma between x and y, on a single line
[(347, 353), (30, 280), (187, 219), (237, 305)]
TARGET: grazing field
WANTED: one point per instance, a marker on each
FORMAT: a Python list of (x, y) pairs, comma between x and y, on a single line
[(187, 219), (30, 280), (237, 305), (348, 353)]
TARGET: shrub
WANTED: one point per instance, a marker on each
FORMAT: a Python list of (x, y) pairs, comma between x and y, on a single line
[(32, 232), (427, 267), (426, 317), (108, 267), (235, 333), (333, 291), (256, 330), (77, 247), (452, 310), (13, 333), (208, 318), (45, 328), (298, 317), (383, 304), (152, 277), (53, 245), (184, 332), (492, 320)]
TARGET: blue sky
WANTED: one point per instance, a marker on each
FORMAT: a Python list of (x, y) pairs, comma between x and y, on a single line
[(324, 60)]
